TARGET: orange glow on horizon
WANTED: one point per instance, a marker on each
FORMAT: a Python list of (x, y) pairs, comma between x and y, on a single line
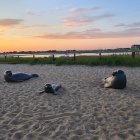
[(38, 44)]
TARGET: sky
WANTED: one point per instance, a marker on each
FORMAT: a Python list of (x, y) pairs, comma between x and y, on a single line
[(40, 25)]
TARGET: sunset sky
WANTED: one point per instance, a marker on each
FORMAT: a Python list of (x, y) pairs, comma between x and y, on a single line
[(37, 25)]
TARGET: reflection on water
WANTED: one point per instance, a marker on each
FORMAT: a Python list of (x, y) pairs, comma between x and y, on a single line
[(62, 55)]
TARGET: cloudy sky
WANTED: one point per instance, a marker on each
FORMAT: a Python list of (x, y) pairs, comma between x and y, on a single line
[(27, 25)]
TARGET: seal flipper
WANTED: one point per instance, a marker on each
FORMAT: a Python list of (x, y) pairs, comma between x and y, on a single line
[(40, 92), (35, 75)]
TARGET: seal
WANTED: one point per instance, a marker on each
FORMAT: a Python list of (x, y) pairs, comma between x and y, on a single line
[(17, 77), (51, 88), (117, 80)]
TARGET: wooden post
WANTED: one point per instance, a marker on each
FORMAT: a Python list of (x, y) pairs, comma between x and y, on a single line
[(5, 56), (133, 54), (18, 56), (100, 54), (74, 56), (53, 57), (33, 56)]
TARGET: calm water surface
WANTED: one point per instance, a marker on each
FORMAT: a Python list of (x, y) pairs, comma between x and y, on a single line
[(63, 55)]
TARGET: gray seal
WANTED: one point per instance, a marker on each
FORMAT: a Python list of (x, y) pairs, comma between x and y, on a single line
[(51, 88), (117, 80), (17, 77)]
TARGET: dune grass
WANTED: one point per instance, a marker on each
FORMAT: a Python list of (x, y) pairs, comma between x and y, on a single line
[(116, 60)]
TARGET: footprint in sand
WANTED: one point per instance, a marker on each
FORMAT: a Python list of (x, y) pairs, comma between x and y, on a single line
[(18, 135)]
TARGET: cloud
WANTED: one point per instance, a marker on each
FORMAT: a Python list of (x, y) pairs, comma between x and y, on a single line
[(133, 25), (84, 20), (93, 34), (120, 25), (32, 13), (10, 22), (22, 27), (83, 16), (81, 21), (83, 10), (69, 35)]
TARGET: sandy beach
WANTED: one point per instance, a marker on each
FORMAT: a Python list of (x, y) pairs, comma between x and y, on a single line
[(82, 110)]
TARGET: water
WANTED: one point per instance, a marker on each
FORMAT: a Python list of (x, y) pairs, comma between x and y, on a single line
[(47, 55)]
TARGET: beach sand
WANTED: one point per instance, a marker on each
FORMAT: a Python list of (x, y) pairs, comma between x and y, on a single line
[(82, 110)]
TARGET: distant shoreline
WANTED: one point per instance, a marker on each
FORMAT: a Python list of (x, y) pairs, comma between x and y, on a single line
[(73, 51)]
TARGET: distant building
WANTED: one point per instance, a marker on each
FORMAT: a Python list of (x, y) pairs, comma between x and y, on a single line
[(135, 47)]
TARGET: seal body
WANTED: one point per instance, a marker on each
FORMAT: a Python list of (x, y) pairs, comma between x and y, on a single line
[(17, 77), (117, 80), (51, 88)]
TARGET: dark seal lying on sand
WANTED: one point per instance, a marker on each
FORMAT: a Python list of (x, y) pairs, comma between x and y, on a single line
[(17, 77), (51, 88), (117, 80)]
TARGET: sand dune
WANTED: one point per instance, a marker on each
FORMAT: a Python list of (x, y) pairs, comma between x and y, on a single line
[(82, 110)]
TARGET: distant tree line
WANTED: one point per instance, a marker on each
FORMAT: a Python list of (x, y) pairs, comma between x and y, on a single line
[(75, 51)]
